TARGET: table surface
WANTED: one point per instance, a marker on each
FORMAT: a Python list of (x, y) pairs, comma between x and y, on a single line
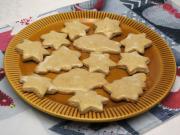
[(21, 8)]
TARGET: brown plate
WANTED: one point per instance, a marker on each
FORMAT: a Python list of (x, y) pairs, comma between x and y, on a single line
[(160, 79)]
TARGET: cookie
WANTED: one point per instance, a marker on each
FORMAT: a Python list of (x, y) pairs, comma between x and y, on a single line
[(99, 62), (37, 84), (31, 50), (88, 101), (134, 62), (128, 88), (78, 80), (108, 27), (97, 43), (136, 42), (75, 29), (54, 39), (61, 59)]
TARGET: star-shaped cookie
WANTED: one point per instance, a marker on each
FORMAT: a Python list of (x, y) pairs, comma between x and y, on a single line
[(97, 43), (88, 101), (75, 29), (31, 50), (54, 39), (134, 62), (37, 84), (61, 59), (108, 27), (99, 62), (78, 79), (128, 88), (136, 42)]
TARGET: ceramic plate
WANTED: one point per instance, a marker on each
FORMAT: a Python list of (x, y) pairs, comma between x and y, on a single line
[(159, 81)]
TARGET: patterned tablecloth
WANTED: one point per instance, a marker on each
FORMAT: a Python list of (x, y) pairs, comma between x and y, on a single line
[(16, 114)]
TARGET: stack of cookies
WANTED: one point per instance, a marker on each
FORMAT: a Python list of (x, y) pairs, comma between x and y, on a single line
[(82, 76)]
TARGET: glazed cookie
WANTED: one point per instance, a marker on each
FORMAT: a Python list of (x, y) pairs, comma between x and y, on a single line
[(61, 59), (75, 29), (128, 88), (99, 62), (78, 80), (88, 101), (108, 27), (136, 42), (31, 50), (134, 62), (97, 43), (54, 39), (37, 84)]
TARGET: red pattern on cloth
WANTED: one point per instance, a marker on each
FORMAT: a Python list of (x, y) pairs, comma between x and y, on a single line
[(2, 73), (5, 37), (169, 8), (25, 21), (5, 100), (178, 71), (172, 101)]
